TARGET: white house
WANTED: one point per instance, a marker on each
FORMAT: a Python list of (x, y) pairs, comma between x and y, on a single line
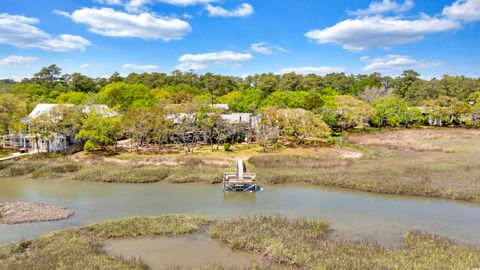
[(59, 142)]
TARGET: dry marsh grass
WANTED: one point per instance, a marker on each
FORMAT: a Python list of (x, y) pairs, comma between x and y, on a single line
[(441, 163), (81, 248), (307, 244)]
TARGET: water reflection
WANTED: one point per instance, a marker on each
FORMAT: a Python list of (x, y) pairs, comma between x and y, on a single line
[(244, 197)]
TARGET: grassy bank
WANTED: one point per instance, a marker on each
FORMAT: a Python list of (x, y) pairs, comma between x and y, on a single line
[(81, 248), (442, 163), (112, 171), (304, 243), (307, 244)]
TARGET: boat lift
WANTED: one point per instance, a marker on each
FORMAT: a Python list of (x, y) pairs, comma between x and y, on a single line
[(241, 180)]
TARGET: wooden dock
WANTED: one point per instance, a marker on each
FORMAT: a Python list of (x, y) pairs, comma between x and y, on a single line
[(240, 180)]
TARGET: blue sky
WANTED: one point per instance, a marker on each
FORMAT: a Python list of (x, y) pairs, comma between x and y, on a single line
[(240, 37)]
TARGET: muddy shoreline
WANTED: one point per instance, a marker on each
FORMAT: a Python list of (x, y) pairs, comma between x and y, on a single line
[(17, 212)]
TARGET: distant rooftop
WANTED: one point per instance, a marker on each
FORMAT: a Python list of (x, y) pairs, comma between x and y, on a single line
[(42, 108), (220, 106), (101, 109)]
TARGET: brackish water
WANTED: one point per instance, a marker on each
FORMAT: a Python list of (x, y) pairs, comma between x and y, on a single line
[(185, 251), (353, 215)]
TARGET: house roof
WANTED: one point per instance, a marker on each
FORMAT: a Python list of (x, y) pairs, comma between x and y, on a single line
[(101, 109), (42, 108), (220, 106)]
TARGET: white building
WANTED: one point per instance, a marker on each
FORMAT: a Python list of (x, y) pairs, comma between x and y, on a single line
[(59, 142)]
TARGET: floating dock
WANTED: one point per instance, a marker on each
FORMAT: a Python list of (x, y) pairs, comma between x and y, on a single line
[(241, 180)]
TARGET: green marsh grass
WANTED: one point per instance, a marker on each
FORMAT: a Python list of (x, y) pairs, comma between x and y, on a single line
[(308, 244), (81, 248)]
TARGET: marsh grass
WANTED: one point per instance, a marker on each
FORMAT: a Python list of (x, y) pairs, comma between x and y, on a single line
[(81, 248), (295, 161), (188, 171), (433, 175), (307, 244), (38, 168), (441, 163)]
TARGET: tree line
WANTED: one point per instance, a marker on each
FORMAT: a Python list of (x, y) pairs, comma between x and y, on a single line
[(298, 107)]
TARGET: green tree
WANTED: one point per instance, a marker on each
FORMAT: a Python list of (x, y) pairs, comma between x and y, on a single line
[(82, 83), (12, 108), (405, 81), (445, 111), (99, 131), (42, 127), (268, 128), (352, 112), (48, 76), (76, 98), (287, 99), (162, 124), (394, 111), (301, 125), (247, 100), (124, 95), (138, 124)]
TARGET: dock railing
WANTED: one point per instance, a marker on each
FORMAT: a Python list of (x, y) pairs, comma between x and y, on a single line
[(240, 180)]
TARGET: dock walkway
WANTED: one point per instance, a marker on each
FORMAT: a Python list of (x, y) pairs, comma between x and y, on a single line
[(240, 180)]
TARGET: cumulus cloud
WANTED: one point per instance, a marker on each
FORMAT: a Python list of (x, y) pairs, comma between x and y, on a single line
[(109, 2), (311, 70), (465, 10), (396, 62), (139, 67), (363, 33), (140, 5), (203, 61), (266, 48), (85, 66), (108, 22), (187, 2), (384, 7), (22, 32), (243, 10), (16, 59)]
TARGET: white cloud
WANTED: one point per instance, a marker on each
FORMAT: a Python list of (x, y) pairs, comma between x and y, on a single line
[(108, 22), (21, 32), (139, 5), (266, 48), (140, 67), (16, 59), (86, 66), (187, 2), (465, 10), (363, 33), (384, 7), (311, 70), (243, 10), (136, 5), (203, 61), (109, 2), (396, 62)]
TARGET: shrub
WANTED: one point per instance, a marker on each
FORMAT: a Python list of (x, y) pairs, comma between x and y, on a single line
[(89, 146), (335, 140), (227, 147)]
